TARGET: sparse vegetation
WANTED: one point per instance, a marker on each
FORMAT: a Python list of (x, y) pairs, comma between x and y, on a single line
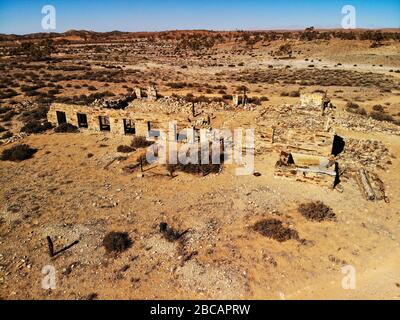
[(274, 229), (125, 149), (36, 126), (18, 153), (355, 108), (140, 142), (66, 128), (316, 211), (116, 242)]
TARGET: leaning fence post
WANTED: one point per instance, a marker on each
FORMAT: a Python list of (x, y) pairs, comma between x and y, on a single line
[(51, 247)]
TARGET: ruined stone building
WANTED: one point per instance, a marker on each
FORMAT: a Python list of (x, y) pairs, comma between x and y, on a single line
[(130, 116), (305, 139), (303, 134)]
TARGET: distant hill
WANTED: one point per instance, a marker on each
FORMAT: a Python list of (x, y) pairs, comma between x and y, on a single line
[(84, 35)]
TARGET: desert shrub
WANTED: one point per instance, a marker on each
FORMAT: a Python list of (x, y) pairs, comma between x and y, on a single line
[(355, 108), (92, 296), (140, 142), (284, 94), (53, 92), (316, 211), (6, 135), (254, 100), (192, 98), (36, 126), (64, 100), (378, 108), (37, 114), (294, 94), (360, 111), (66, 127), (176, 85), (381, 116), (143, 159), (9, 115), (116, 242), (18, 153), (170, 233), (32, 93), (4, 109), (197, 168), (125, 149), (273, 228), (130, 168), (8, 94)]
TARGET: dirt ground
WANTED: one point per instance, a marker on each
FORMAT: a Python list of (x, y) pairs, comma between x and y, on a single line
[(65, 193)]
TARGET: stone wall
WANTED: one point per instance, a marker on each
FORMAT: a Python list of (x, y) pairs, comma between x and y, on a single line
[(311, 100), (116, 118), (316, 143)]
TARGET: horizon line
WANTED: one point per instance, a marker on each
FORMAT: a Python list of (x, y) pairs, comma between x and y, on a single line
[(288, 29)]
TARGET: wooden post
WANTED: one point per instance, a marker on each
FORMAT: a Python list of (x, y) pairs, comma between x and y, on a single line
[(51, 247), (365, 185)]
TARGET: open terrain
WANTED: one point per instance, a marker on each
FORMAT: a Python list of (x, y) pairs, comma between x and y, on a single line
[(75, 188)]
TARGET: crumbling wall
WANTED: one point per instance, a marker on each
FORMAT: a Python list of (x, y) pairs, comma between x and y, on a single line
[(311, 100), (303, 141), (116, 117), (307, 168), (151, 93)]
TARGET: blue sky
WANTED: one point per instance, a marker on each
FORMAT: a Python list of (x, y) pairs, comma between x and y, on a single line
[(24, 16)]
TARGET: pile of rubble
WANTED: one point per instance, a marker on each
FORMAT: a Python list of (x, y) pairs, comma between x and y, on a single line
[(120, 102), (359, 123), (365, 153), (15, 138), (172, 105), (292, 117)]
